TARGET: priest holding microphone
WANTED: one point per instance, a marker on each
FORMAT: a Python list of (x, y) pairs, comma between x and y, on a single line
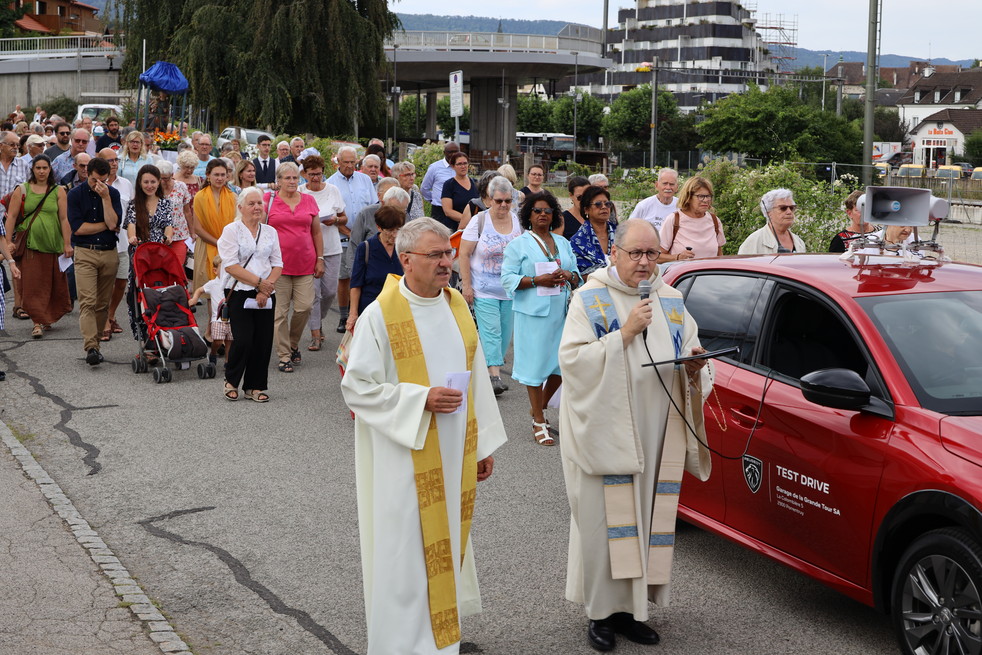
[(628, 436)]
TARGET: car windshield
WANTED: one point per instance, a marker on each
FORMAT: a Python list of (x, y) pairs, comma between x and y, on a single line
[(935, 337)]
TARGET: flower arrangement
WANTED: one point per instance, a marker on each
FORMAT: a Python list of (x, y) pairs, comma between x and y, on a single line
[(166, 140)]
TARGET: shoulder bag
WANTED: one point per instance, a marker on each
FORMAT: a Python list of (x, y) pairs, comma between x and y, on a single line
[(20, 242)]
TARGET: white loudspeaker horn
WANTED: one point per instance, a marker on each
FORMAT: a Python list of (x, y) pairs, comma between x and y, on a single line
[(939, 208), (896, 205)]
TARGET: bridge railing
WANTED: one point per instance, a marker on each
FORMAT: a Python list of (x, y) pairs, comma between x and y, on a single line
[(492, 41), (60, 46)]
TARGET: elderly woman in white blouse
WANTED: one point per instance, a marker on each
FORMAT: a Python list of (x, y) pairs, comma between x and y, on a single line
[(250, 254), (776, 236)]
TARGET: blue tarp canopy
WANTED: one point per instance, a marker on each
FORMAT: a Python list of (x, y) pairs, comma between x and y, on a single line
[(164, 76)]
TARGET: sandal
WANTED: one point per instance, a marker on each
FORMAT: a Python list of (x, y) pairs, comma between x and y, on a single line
[(20, 313), (258, 396), (541, 434), (295, 356), (46, 326), (285, 366), (114, 326), (106, 335), (231, 393), (37, 332), (315, 343)]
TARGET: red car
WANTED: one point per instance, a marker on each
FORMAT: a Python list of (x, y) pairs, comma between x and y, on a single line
[(848, 429)]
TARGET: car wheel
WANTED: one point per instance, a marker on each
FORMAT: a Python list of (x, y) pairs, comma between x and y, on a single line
[(937, 594)]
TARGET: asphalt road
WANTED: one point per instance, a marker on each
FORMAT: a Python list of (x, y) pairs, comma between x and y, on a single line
[(239, 519)]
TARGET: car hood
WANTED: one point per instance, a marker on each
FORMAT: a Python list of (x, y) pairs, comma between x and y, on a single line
[(962, 436)]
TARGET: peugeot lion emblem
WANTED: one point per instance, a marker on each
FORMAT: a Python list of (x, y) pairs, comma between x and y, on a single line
[(753, 470)]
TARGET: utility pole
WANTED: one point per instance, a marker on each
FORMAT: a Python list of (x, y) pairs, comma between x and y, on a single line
[(871, 78), (654, 110), (825, 68)]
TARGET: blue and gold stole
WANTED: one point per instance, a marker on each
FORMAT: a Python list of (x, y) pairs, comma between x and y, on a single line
[(627, 558)]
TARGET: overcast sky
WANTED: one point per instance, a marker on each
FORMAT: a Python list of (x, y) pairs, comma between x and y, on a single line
[(948, 28)]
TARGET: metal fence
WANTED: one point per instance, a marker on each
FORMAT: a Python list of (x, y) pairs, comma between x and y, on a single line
[(60, 46), (492, 41)]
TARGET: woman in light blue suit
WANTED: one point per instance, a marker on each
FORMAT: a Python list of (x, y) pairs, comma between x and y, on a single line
[(539, 273)]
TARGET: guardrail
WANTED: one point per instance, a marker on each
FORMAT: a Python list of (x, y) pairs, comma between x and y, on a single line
[(492, 41), (60, 46)]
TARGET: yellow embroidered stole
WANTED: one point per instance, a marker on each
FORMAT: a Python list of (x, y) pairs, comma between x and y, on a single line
[(428, 463)]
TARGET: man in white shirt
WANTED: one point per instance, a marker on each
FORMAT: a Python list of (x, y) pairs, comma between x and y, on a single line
[(663, 203), (358, 192), (125, 189)]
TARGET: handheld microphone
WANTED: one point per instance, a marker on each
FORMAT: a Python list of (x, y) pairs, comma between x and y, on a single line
[(644, 289)]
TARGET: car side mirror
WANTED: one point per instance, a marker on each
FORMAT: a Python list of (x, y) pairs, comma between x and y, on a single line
[(839, 388)]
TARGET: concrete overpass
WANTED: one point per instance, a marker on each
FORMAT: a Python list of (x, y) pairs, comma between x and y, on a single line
[(494, 66), (36, 69)]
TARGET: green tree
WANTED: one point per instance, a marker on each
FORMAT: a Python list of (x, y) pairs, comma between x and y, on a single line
[(8, 15), (446, 122), (534, 114), (589, 117), (887, 125), (777, 125), (973, 148), (628, 123), (318, 74), (811, 92), (737, 201), (410, 116)]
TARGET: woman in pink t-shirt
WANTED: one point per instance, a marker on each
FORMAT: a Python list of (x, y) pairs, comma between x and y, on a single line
[(296, 218), (693, 230)]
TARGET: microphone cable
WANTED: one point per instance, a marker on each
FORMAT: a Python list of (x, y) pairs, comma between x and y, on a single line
[(768, 380)]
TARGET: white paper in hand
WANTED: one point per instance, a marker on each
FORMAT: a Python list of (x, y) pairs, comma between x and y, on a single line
[(459, 381), (64, 263), (250, 303), (544, 268)]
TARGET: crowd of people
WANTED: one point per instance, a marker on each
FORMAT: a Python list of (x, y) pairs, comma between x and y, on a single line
[(269, 244)]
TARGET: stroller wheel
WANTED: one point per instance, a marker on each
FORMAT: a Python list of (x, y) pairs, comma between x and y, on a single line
[(202, 372), (165, 375), (156, 375), (212, 370), (135, 365)]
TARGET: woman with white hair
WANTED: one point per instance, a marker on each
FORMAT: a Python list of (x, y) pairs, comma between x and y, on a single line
[(252, 263), (776, 236), (180, 202), (482, 253), (405, 172)]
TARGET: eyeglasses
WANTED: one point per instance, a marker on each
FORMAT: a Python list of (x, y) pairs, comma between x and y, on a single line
[(502, 201), (80, 140), (703, 196), (63, 133), (784, 208), (542, 210), (462, 163), (635, 255), (436, 255), (600, 204)]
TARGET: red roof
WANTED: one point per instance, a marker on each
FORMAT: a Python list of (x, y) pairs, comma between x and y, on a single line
[(28, 24), (82, 4)]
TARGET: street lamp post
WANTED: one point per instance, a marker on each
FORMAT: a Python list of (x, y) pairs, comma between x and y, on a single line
[(654, 110), (825, 69), (576, 96), (396, 91)]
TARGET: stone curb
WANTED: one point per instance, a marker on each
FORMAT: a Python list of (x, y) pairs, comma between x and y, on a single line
[(160, 630)]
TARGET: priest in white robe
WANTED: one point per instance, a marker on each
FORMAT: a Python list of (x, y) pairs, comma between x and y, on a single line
[(624, 441), (423, 442)]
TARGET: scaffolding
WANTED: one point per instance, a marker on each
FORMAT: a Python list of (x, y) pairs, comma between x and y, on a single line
[(779, 33)]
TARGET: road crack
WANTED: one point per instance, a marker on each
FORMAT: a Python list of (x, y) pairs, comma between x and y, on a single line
[(244, 578)]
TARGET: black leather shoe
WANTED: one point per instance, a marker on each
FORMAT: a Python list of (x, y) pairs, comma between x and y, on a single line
[(624, 624), (601, 635)]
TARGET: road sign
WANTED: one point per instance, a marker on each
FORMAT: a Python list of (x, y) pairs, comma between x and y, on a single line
[(457, 94)]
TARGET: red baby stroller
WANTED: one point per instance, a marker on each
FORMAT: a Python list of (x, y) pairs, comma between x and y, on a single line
[(162, 301)]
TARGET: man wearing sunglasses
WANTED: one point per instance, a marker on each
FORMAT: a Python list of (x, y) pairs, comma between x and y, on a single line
[(426, 425), (65, 162), (63, 136)]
